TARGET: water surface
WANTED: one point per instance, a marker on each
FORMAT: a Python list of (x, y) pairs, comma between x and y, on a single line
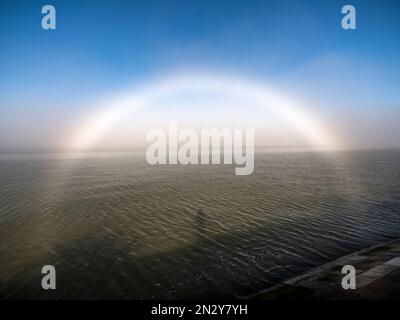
[(115, 227)]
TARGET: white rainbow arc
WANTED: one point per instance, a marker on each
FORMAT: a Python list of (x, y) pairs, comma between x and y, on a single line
[(114, 110)]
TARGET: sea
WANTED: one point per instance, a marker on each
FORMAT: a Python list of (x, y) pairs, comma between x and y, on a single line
[(115, 227)]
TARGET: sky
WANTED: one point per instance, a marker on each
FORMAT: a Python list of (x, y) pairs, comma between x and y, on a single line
[(50, 78)]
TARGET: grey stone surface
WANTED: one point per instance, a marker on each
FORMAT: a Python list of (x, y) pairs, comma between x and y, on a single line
[(377, 277), (394, 262), (379, 271)]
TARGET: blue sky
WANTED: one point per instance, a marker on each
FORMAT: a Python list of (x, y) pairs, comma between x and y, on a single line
[(100, 46)]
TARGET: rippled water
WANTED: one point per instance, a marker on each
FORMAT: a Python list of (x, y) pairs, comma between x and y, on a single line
[(115, 227)]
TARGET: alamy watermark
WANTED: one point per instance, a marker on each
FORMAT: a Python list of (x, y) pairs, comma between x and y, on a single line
[(349, 20), (349, 280), (204, 146), (49, 20), (49, 280)]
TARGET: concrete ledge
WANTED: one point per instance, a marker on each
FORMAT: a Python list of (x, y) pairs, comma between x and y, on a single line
[(377, 277)]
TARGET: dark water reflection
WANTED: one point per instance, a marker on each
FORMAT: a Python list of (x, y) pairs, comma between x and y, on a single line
[(116, 228)]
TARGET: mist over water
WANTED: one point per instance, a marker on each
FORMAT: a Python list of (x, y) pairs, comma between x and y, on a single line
[(116, 227)]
